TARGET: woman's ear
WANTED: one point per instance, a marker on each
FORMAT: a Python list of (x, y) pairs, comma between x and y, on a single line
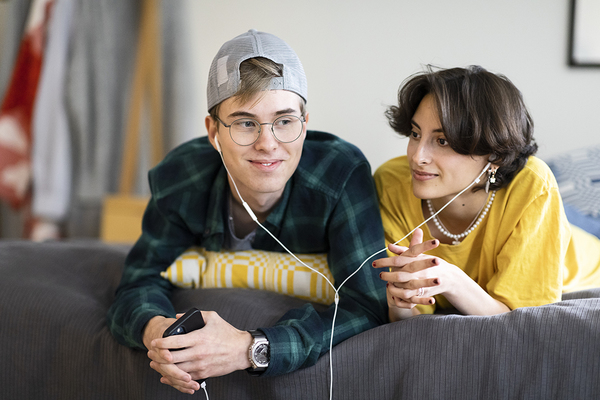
[(493, 159)]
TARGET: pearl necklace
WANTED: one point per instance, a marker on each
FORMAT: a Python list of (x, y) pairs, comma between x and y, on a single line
[(476, 221)]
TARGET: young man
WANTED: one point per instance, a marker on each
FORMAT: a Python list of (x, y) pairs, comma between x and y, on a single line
[(312, 190)]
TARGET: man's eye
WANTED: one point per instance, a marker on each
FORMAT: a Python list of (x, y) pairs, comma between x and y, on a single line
[(414, 134), (245, 124), (283, 121)]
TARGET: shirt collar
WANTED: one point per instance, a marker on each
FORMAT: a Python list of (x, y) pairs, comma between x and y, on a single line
[(217, 214)]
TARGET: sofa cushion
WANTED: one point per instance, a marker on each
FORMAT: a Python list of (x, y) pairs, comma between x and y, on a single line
[(577, 173)]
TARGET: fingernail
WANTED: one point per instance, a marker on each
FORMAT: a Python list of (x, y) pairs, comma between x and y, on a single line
[(380, 275), (430, 301), (434, 242), (387, 285), (373, 263), (393, 298), (434, 261), (436, 281)]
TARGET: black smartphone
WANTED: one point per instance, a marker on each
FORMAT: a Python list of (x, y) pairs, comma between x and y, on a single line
[(188, 322)]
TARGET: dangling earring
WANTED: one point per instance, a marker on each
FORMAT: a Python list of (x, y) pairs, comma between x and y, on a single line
[(491, 179)]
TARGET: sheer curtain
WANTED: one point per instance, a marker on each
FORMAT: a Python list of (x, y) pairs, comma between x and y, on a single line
[(96, 73)]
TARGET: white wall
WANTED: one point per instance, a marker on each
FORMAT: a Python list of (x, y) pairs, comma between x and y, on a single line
[(357, 52)]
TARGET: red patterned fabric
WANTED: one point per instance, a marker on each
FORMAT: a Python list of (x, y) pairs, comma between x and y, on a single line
[(17, 109)]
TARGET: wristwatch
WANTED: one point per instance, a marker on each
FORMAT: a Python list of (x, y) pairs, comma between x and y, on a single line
[(259, 353)]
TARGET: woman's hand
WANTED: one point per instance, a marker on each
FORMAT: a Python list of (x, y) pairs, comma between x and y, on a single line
[(414, 278), (411, 280)]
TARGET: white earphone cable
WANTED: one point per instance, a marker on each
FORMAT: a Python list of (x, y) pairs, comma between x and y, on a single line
[(336, 291), (203, 386)]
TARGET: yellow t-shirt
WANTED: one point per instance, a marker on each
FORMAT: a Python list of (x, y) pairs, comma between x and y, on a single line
[(524, 253)]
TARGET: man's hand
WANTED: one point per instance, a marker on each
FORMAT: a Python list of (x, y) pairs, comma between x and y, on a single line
[(215, 350), (171, 374)]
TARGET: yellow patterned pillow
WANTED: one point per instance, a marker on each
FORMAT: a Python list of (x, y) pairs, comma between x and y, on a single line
[(256, 269)]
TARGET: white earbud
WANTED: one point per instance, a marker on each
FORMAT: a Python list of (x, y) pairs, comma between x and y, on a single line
[(217, 144), (482, 172)]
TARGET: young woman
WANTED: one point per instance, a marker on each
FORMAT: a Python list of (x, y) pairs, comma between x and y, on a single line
[(504, 242)]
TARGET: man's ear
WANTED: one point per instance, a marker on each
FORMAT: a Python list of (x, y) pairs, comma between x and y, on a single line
[(306, 117), (212, 128)]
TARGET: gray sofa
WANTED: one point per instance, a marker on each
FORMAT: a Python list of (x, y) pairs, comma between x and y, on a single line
[(56, 345)]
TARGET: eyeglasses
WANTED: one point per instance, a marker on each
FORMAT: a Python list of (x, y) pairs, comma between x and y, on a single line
[(246, 131)]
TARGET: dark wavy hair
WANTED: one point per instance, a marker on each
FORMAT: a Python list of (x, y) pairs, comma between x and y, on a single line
[(481, 113)]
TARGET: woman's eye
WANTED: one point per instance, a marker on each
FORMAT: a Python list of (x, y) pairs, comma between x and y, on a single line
[(443, 142), (414, 134)]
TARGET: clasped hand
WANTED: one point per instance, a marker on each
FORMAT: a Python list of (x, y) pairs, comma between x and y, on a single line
[(413, 277), (215, 350)]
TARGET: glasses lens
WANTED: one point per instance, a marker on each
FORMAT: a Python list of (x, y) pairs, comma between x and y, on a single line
[(244, 131), (287, 128)]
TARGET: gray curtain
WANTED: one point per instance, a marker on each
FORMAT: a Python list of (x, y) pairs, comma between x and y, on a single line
[(100, 72), (98, 80)]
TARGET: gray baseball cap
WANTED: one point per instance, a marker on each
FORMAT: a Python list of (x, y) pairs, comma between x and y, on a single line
[(224, 73)]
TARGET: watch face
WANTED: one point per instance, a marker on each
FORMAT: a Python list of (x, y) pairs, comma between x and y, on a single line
[(261, 354)]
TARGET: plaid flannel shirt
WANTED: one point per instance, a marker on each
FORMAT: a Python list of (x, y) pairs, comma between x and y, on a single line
[(328, 206)]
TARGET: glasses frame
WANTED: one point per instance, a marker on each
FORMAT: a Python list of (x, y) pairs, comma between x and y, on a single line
[(302, 119)]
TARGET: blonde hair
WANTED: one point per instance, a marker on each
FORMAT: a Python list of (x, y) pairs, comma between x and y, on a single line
[(255, 77)]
